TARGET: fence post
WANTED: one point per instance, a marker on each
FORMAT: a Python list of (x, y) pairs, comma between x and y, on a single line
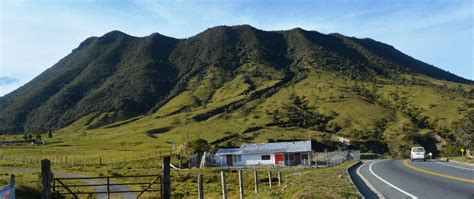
[(270, 179), (224, 188), (241, 184), (279, 178), (108, 187), (12, 180), (12, 184), (46, 178), (255, 176), (200, 187), (166, 192), (327, 158)]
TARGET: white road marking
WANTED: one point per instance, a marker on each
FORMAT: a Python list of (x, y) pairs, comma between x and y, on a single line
[(454, 166), (371, 187), (388, 183)]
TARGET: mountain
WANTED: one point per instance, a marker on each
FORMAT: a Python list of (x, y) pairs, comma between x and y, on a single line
[(242, 73)]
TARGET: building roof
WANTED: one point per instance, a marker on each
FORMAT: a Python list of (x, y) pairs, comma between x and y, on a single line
[(229, 151), (274, 147)]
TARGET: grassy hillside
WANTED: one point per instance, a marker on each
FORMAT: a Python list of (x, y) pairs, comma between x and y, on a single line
[(232, 85), (118, 76), (369, 114)]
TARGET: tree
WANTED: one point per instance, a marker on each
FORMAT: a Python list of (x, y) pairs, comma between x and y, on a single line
[(400, 138), (38, 137), (276, 116), (464, 129), (199, 145), (50, 134), (302, 115), (30, 137), (25, 137)]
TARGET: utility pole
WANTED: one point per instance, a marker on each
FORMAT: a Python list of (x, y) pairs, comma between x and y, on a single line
[(186, 132), (311, 151), (186, 129)]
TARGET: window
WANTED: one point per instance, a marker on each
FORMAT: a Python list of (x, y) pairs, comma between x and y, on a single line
[(291, 157), (237, 158), (418, 149), (265, 157), (304, 156)]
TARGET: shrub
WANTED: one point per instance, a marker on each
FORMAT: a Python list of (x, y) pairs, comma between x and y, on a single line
[(199, 145)]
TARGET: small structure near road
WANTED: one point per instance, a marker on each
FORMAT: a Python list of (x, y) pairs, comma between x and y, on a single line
[(343, 140), (276, 154), (8, 192)]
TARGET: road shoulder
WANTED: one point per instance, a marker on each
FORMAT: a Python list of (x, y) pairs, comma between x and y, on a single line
[(365, 188), (463, 163)]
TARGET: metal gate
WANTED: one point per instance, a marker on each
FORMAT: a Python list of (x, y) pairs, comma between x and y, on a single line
[(74, 187)]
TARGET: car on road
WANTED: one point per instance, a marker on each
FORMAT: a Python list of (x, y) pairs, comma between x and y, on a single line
[(417, 153)]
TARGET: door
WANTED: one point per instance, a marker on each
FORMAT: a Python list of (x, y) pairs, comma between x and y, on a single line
[(297, 158), (278, 158), (229, 160)]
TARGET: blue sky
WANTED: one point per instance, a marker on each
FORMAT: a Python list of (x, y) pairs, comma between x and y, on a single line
[(34, 35)]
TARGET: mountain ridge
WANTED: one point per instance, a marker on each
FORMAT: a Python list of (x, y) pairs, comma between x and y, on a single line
[(124, 76)]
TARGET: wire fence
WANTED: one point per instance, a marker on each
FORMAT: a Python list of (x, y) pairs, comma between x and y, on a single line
[(80, 159), (334, 158), (317, 159), (211, 160)]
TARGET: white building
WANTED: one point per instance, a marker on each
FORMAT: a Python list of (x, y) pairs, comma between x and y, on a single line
[(277, 154)]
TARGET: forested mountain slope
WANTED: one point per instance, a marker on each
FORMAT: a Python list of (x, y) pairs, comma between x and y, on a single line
[(240, 84)]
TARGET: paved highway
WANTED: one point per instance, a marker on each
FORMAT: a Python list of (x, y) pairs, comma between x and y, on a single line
[(418, 179)]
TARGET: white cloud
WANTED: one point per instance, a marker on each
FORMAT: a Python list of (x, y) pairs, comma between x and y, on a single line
[(8, 80)]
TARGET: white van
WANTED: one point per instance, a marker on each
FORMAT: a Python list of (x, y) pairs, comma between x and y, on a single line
[(417, 153)]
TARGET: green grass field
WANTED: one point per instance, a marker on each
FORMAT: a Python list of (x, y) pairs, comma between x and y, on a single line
[(297, 182), (135, 145)]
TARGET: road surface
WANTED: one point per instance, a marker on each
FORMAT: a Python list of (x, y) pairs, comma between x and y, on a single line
[(418, 179), (61, 174)]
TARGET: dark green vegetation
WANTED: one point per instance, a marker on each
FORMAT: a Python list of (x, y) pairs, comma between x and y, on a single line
[(230, 85)]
